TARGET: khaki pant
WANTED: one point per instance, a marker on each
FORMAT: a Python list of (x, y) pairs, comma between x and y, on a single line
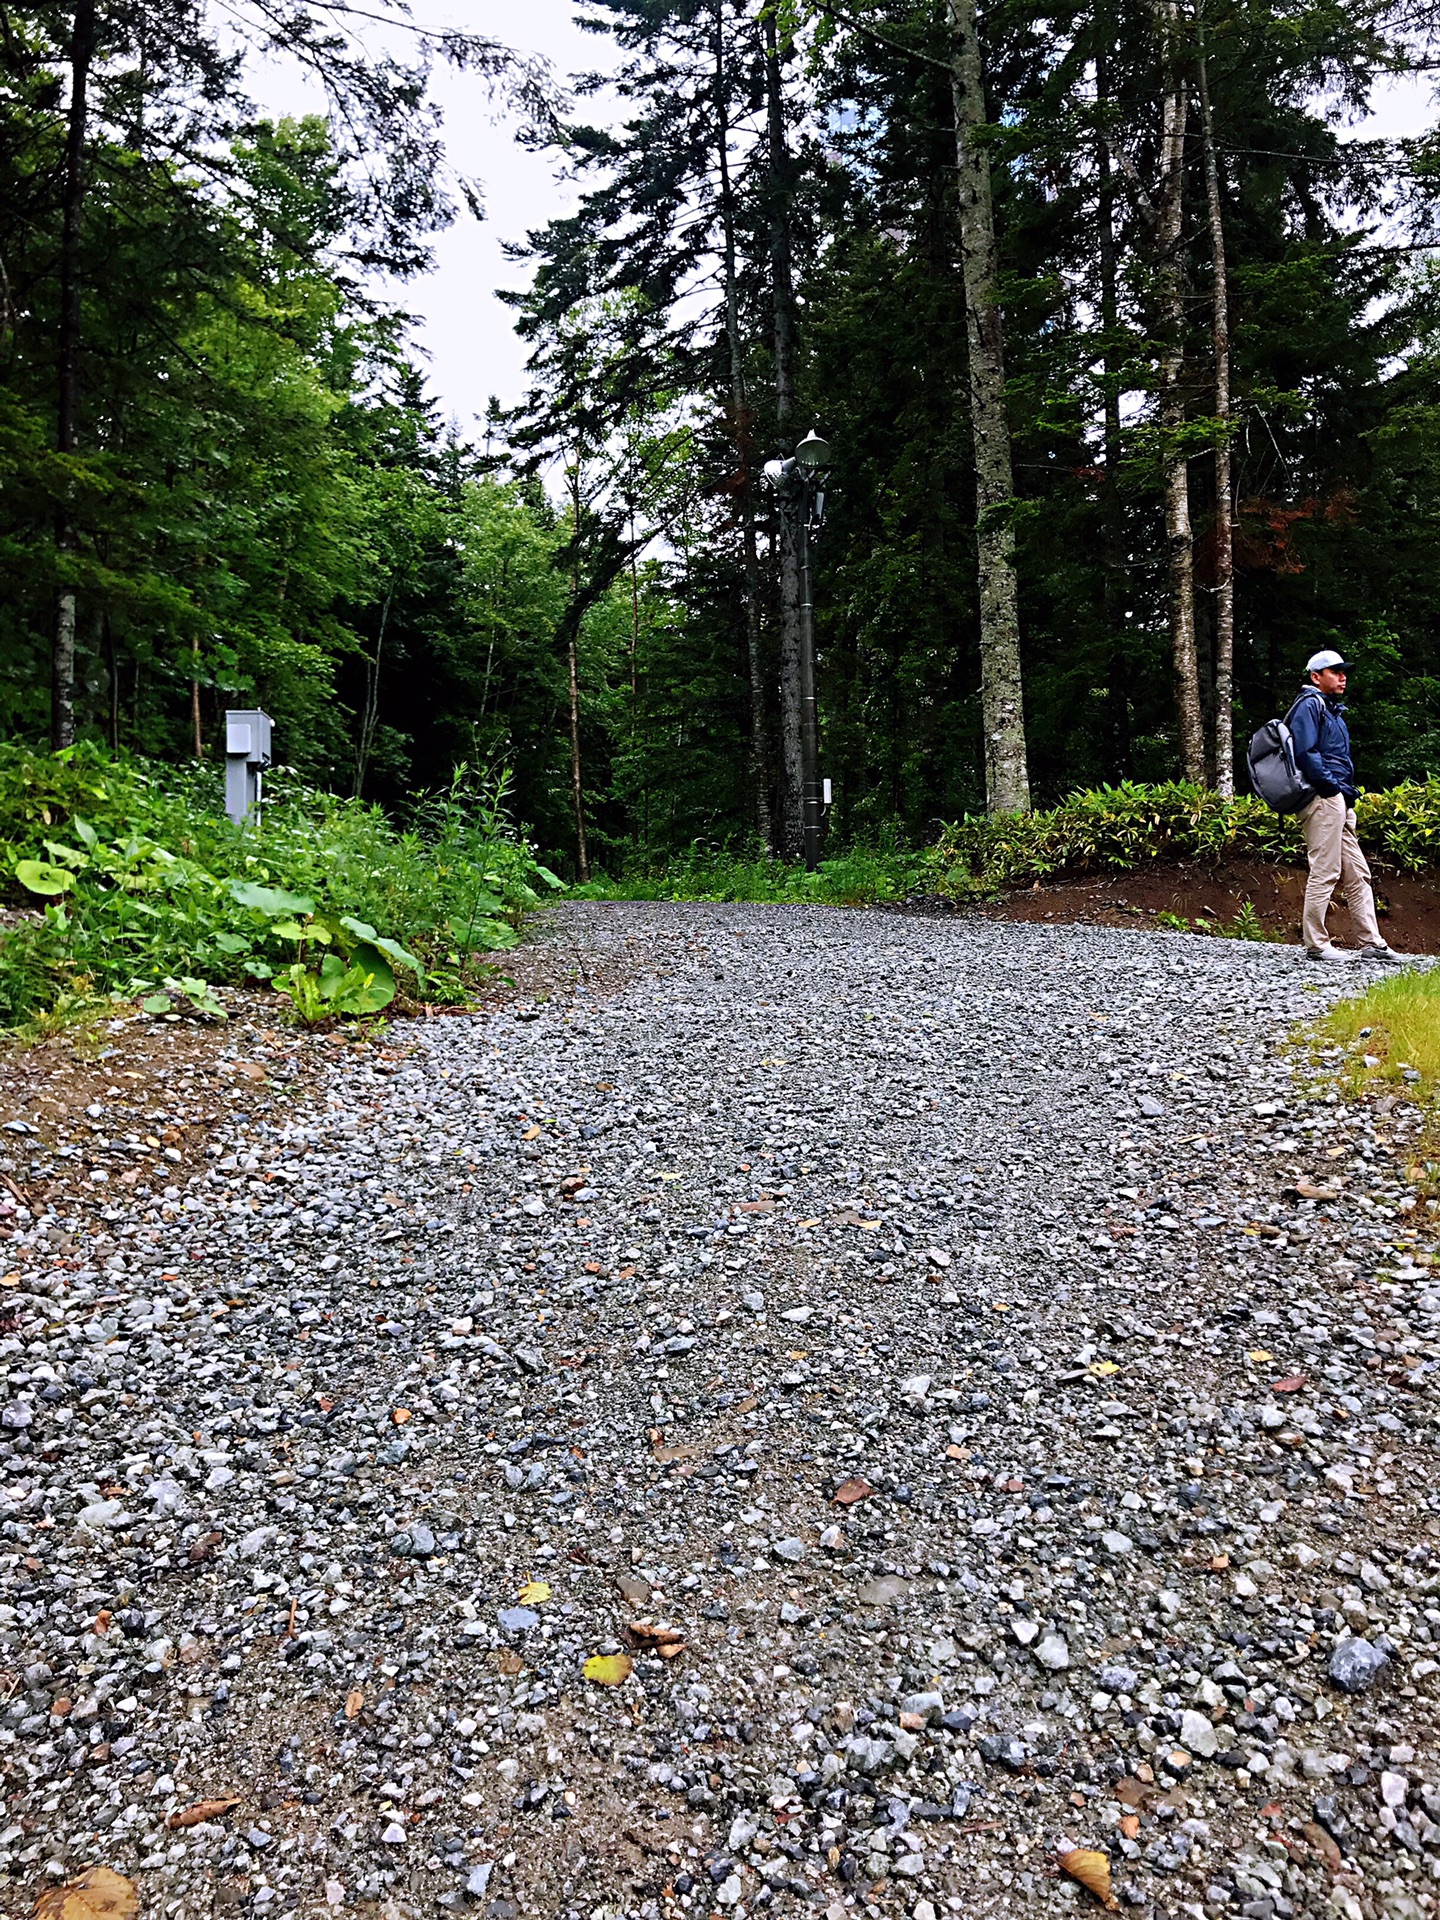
[(1328, 824)]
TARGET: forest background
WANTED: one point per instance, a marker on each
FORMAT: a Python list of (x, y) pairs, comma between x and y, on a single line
[(1184, 413)]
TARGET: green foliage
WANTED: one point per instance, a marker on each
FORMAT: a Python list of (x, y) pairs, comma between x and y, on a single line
[(1246, 925), (1113, 829), (1130, 824), (864, 876), (327, 898)]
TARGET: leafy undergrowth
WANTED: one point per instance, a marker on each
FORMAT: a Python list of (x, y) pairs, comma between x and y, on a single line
[(865, 876), (1107, 829), (129, 880), (1127, 826), (1389, 1038)]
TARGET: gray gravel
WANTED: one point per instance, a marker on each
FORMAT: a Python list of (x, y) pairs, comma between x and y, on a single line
[(554, 1333)]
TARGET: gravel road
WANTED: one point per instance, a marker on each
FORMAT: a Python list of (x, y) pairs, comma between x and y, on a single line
[(981, 1394)]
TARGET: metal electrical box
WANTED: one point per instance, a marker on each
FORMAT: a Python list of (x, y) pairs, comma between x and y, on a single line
[(247, 754)]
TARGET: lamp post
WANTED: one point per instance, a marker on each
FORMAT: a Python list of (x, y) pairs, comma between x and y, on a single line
[(799, 485)]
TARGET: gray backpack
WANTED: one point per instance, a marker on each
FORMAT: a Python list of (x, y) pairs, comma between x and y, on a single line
[(1274, 775)]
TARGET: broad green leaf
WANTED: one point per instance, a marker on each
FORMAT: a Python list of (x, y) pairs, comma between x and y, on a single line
[(394, 951), (494, 936), (379, 989), (550, 879), (232, 943), (288, 930), (156, 1003), (270, 899), (260, 970), (85, 833), (41, 876), (361, 929), (67, 856)]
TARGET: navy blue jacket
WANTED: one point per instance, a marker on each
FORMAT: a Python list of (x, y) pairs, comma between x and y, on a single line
[(1322, 743)]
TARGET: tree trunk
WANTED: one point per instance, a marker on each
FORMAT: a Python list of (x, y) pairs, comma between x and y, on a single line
[(577, 785), (1007, 777), (742, 436), (67, 426), (370, 713), (1170, 261), (1224, 480), (1112, 509), (199, 740), (787, 541), (113, 663)]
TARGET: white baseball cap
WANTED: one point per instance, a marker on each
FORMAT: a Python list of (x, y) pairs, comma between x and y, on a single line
[(1318, 662)]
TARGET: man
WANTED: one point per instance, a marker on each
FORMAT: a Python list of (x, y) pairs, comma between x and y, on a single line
[(1322, 753)]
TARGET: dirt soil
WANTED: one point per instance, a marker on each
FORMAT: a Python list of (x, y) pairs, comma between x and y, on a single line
[(1409, 904)]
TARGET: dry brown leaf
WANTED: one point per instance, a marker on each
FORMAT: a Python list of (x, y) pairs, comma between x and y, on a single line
[(531, 1133), (667, 1456), (1130, 1825), (399, 1415), (1324, 1844), (508, 1661), (354, 1701), (849, 1491), (205, 1547), (203, 1810), (1092, 1870), (99, 1894), (666, 1641)]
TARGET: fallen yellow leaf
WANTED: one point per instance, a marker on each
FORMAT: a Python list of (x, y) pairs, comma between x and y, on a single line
[(98, 1894), (1092, 1870), (807, 1223), (609, 1669), (534, 1591), (1260, 1357), (1102, 1369)]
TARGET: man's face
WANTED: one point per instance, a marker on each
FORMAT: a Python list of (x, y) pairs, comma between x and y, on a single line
[(1330, 679)]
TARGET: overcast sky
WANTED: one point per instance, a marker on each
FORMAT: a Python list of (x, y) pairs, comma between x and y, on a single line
[(463, 329)]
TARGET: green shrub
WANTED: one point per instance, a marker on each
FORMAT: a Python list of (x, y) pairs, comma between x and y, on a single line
[(139, 883), (863, 876), (1117, 828)]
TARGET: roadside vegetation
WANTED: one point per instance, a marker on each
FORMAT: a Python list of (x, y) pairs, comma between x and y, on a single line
[(124, 878), (1105, 829)]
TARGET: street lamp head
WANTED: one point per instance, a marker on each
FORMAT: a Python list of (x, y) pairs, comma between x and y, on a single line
[(813, 451)]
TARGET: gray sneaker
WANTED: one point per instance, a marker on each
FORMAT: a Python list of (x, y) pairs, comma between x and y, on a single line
[(1332, 956), (1386, 955)]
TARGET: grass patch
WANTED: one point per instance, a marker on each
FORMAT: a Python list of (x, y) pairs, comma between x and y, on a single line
[(1395, 1025), (1390, 1036)]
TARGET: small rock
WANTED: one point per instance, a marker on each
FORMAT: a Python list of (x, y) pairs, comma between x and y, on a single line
[(1053, 1654), (1197, 1734), (1355, 1665)]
